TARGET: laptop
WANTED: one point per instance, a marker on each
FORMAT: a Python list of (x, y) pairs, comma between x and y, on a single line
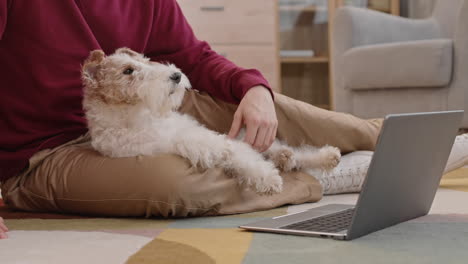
[(400, 185)]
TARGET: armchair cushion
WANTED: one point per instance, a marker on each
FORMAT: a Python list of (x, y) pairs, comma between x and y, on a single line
[(424, 63)]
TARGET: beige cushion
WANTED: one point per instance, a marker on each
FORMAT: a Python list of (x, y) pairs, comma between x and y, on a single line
[(425, 63)]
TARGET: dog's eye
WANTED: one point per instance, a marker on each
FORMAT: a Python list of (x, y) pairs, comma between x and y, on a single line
[(128, 71)]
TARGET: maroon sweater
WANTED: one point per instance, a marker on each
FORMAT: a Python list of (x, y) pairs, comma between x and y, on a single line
[(44, 42)]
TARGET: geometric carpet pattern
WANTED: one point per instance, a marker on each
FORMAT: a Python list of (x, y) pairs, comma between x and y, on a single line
[(440, 237)]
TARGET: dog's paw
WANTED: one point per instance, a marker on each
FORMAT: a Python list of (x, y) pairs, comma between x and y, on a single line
[(267, 183), (330, 157), (273, 185), (284, 160)]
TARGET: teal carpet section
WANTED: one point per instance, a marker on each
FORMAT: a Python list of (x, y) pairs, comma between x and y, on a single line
[(405, 243), (213, 222)]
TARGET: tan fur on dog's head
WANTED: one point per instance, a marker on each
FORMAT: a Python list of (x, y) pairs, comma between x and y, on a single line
[(128, 78)]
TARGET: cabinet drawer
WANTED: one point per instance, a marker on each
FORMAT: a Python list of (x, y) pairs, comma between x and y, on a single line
[(261, 57), (232, 21)]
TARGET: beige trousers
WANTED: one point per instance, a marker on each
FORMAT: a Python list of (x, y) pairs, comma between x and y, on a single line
[(74, 178)]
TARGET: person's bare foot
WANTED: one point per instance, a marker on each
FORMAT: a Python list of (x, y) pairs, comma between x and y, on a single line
[(3, 229)]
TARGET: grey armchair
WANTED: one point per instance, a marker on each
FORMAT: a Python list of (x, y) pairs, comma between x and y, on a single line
[(384, 64)]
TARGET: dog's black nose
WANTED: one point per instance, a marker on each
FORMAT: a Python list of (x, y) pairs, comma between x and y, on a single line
[(176, 77)]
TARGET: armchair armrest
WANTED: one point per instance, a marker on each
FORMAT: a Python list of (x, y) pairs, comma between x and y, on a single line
[(357, 27), (458, 97)]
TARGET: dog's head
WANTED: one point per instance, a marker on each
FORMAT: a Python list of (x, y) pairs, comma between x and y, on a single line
[(128, 78)]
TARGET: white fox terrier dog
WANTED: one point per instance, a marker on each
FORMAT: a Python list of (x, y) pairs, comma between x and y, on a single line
[(131, 107)]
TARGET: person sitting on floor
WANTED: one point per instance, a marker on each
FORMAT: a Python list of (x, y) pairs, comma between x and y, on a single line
[(48, 165)]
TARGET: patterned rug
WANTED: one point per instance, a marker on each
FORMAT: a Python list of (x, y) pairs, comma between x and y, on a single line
[(441, 237)]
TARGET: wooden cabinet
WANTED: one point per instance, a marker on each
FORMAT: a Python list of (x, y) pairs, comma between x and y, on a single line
[(244, 31)]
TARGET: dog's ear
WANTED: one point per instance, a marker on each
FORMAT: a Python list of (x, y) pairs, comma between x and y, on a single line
[(91, 67), (127, 51), (96, 56)]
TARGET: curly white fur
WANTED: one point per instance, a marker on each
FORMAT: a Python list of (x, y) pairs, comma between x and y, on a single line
[(131, 104)]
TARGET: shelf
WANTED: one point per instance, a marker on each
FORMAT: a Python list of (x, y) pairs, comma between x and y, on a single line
[(301, 8), (304, 59), (384, 10), (324, 106), (315, 8)]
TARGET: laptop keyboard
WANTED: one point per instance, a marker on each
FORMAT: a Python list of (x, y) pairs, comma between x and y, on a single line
[(330, 223)]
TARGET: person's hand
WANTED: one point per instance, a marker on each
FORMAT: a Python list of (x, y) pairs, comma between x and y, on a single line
[(257, 112), (3, 229)]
